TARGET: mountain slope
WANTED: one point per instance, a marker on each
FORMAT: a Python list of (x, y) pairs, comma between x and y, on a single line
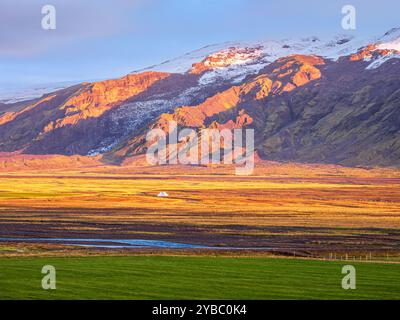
[(340, 119), (309, 100), (304, 109)]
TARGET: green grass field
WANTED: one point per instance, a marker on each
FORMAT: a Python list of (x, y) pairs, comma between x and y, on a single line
[(162, 277)]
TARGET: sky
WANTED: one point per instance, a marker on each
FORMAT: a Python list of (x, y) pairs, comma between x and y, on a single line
[(106, 39)]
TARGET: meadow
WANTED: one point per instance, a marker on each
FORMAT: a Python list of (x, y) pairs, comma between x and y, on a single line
[(162, 277)]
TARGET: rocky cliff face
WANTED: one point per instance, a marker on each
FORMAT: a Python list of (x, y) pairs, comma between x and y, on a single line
[(308, 101)]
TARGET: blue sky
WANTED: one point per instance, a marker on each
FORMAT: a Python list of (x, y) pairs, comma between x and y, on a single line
[(103, 39)]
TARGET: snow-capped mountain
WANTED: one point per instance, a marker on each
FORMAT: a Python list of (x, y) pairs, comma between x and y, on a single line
[(235, 60), (232, 53), (310, 99)]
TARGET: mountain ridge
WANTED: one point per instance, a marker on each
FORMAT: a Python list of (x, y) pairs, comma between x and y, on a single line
[(234, 87)]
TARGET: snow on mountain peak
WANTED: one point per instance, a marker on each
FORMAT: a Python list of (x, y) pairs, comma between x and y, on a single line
[(233, 63), (228, 54), (391, 40), (232, 56), (240, 61), (383, 49), (183, 64), (235, 60)]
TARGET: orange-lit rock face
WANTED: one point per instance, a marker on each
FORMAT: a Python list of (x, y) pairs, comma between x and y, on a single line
[(7, 117), (259, 88), (366, 53), (226, 58), (102, 96), (298, 70), (195, 116), (369, 52), (292, 72)]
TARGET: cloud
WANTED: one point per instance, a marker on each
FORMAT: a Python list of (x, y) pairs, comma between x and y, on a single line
[(21, 33)]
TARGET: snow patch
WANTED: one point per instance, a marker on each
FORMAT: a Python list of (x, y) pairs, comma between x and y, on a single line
[(251, 58), (265, 52), (129, 117), (15, 94), (381, 60), (184, 63), (235, 73), (394, 45), (390, 41)]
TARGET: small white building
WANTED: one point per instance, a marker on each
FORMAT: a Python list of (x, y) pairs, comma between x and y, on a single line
[(162, 194)]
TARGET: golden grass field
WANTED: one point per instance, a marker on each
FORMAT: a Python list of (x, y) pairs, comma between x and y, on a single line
[(287, 207)]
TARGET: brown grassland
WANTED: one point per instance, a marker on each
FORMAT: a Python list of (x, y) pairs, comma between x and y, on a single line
[(287, 208)]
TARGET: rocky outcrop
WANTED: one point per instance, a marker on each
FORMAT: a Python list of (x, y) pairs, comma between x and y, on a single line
[(226, 58)]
